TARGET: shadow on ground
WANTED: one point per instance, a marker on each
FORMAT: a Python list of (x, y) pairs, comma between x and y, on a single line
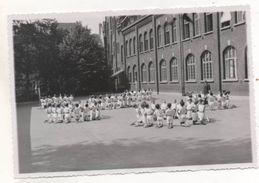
[(140, 154)]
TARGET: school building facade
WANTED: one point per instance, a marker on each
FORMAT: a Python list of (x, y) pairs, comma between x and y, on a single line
[(178, 52)]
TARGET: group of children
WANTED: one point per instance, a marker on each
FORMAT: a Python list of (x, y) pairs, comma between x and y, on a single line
[(189, 111), (64, 109)]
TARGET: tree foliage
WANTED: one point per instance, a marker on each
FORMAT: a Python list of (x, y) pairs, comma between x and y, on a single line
[(63, 61)]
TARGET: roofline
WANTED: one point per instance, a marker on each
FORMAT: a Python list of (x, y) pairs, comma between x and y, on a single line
[(131, 25)]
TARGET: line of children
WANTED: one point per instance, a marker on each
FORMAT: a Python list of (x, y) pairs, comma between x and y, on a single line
[(187, 113)]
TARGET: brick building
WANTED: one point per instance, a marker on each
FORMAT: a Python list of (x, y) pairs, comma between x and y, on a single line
[(178, 52)]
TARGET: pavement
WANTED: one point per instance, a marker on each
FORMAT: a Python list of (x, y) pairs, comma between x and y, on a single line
[(111, 143)]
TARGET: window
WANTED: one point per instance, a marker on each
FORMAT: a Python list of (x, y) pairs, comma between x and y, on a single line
[(134, 45), (143, 73), (145, 41), (230, 63), (246, 65), (225, 19), (196, 24), (173, 70), (208, 19), (129, 74), (151, 38), (140, 43), (163, 69), (126, 48), (159, 36), (135, 74), (151, 72), (239, 17), (190, 68), (130, 46), (122, 54), (174, 31), (186, 29), (206, 66), (167, 34)]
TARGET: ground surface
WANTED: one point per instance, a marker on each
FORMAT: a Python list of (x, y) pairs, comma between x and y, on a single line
[(112, 143)]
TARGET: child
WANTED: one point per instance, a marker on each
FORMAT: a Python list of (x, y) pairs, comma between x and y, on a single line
[(194, 112), (211, 101), (54, 113), (189, 108), (48, 110), (59, 114), (150, 113), (86, 112), (139, 121), (169, 115), (77, 112), (159, 116), (67, 114), (182, 114), (201, 111), (163, 107)]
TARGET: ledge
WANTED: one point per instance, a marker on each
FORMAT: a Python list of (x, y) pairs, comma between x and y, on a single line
[(191, 81), (163, 82), (208, 81), (196, 36), (239, 23), (225, 28), (174, 82), (246, 80), (230, 80), (207, 33)]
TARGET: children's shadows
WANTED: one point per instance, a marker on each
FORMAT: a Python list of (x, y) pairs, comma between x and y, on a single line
[(139, 153)]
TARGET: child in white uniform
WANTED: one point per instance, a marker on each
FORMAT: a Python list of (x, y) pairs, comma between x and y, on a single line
[(169, 115)]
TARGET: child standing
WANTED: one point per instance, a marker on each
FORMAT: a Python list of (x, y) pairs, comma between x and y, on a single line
[(201, 111), (169, 115), (159, 116)]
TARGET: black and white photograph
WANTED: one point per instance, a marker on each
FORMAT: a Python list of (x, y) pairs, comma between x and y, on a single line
[(124, 91)]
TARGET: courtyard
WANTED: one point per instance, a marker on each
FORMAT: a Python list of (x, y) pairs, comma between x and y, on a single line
[(111, 143)]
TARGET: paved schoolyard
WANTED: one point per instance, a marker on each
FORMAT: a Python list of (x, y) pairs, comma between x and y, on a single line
[(112, 143)]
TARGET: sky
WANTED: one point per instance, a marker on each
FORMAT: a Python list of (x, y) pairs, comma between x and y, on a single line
[(92, 21)]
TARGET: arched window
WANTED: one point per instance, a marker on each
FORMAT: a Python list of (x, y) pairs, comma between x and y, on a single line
[(134, 45), (135, 74), (167, 33), (246, 64), (173, 70), (140, 43), (159, 36), (174, 34), (143, 73), (145, 41), (151, 72), (151, 39), (190, 68), (206, 66), (230, 70), (126, 49), (129, 74), (130, 46), (163, 69)]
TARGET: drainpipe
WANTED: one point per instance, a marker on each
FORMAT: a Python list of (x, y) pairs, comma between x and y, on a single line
[(181, 54), (138, 64), (219, 51), (155, 49)]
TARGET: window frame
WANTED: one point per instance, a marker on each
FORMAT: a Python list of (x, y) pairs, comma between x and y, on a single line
[(174, 67), (206, 66), (163, 71), (227, 63), (190, 67)]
